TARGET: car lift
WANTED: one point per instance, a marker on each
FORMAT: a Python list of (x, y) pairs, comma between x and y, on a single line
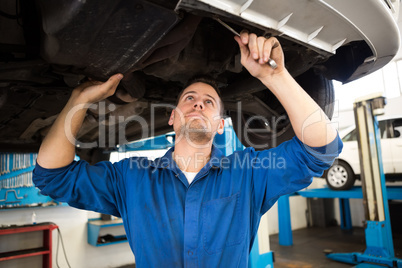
[(379, 244)]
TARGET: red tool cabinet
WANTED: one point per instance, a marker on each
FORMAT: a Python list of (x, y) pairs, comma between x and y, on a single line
[(45, 250)]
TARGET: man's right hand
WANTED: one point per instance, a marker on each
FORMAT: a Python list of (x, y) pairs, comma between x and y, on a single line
[(58, 147), (95, 91)]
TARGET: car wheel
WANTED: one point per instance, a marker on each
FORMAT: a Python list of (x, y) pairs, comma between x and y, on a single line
[(269, 125), (340, 176)]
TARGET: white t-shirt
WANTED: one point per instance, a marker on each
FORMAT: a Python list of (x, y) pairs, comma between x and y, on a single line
[(190, 176)]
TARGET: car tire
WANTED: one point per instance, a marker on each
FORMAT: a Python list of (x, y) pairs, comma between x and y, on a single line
[(340, 176), (315, 84)]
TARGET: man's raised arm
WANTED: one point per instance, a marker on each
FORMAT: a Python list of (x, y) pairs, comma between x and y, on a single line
[(308, 120), (58, 148)]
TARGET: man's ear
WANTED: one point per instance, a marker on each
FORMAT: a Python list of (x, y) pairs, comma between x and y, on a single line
[(171, 119), (221, 126)]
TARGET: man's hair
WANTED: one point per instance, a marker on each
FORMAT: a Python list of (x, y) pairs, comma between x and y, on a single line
[(206, 79)]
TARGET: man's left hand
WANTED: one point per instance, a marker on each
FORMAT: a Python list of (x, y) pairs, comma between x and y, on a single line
[(255, 53)]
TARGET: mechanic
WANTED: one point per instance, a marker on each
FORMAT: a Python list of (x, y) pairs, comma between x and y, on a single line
[(193, 207)]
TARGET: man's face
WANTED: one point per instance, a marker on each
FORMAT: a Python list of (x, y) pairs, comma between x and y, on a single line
[(197, 115)]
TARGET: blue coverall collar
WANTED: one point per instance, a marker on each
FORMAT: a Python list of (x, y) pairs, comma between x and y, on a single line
[(167, 161)]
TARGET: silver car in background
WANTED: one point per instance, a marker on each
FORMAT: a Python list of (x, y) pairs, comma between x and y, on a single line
[(346, 168)]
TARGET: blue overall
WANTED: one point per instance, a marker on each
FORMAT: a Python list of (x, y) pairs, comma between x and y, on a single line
[(210, 223)]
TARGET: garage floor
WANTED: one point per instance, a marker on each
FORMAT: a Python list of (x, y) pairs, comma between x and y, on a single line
[(309, 244)]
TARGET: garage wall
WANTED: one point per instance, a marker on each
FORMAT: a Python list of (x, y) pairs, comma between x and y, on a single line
[(356, 205), (73, 226), (387, 80), (345, 118), (298, 208)]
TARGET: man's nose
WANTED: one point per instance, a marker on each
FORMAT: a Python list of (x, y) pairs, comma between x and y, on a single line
[(198, 105)]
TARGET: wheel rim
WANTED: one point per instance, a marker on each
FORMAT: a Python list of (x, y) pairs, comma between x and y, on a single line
[(337, 176)]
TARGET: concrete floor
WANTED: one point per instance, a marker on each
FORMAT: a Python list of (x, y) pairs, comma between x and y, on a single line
[(309, 245)]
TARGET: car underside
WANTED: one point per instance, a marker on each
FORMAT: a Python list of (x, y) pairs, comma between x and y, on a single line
[(47, 48)]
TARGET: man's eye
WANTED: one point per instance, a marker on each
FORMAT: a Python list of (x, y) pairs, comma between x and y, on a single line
[(208, 101), (189, 98)]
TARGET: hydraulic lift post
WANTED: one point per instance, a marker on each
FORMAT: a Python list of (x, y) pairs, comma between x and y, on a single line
[(379, 245)]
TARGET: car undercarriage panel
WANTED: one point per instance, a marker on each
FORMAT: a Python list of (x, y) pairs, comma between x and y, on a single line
[(323, 25), (102, 39), (49, 47)]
